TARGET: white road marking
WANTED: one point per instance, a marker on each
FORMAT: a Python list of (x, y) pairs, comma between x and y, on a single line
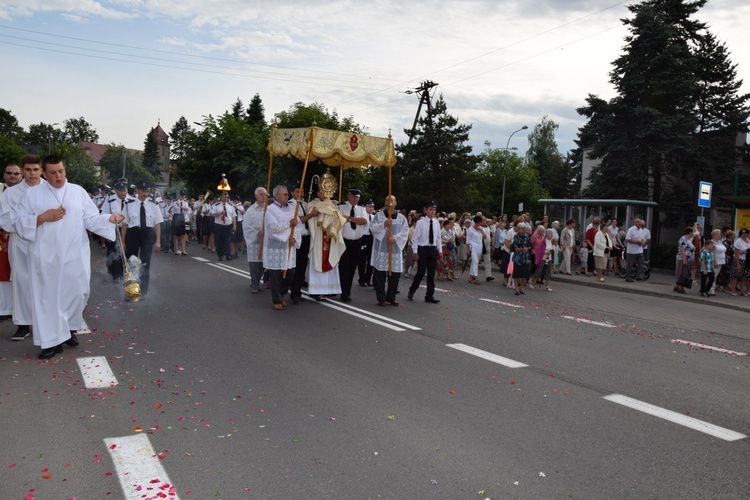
[(710, 348), (201, 259), (339, 306), (677, 418), (96, 372), (436, 289), (597, 323), (488, 356), (503, 303), (361, 313), (139, 469), (231, 270)]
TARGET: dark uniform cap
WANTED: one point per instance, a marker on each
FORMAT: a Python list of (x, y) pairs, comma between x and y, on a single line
[(121, 183), (355, 192), (142, 185), (428, 204), (369, 202)]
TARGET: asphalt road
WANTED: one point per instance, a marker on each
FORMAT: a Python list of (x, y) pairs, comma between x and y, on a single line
[(217, 395)]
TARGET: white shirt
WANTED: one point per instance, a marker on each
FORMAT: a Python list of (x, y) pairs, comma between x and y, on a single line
[(636, 235), (133, 214), (348, 232), (421, 236)]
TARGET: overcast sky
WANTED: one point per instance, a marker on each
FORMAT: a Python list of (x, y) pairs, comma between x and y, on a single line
[(126, 64)]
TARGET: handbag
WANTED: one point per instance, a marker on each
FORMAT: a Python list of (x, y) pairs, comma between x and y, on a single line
[(684, 280), (484, 248)]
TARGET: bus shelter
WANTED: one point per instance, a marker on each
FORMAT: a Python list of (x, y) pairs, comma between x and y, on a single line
[(583, 211)]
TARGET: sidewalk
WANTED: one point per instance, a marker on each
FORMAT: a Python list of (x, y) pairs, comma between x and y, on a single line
[(660, 284)]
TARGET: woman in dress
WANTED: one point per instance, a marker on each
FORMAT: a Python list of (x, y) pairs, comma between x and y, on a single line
[(544, 255), (740, 272), (521, 248), (685, 259), (724, 277), (602, 248), (448, 240), (720, 252)]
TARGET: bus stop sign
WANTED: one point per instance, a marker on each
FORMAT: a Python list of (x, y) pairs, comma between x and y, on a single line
[(704, 195)]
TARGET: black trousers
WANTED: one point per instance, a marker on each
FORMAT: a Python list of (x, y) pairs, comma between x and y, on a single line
[(299, 273), (279, 284), (222, 238), (166, 236), (707, 281), (141, 244), (348, 266), (364, 269), (114, 261), (379, 280), (428, 258)]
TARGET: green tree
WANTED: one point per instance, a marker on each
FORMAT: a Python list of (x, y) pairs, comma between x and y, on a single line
[(522, 184), (256, 113), (439, 165), (10, 152), (676, 114), (556, 174), (118, 161), (224, 146), (77, 130), (151, 161), (9, 126), (43, 135), (178, 138), (238, 110)]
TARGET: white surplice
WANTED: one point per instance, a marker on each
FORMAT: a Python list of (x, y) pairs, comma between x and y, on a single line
[(19, 255), (399, 230), (276, 251), (252, 223), (59, 257)]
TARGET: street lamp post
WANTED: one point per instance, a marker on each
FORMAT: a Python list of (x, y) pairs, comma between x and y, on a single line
[(505, 169), (49, 138)]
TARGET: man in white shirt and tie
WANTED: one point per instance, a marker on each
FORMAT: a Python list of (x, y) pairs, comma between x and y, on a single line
[(141, 231), (427, 250), (356, 219)]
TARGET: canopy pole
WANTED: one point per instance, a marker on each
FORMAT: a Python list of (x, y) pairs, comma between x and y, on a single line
[(341, 179), (390, 227), (296, 205), (268, 191)]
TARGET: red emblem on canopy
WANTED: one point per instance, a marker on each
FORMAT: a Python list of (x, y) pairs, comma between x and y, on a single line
[(353, 142)]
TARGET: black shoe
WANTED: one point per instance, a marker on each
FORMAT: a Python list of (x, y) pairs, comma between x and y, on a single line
[(431, 300), (362, 283), (630, 281), (393, 303), (320, 298), (368, 284), (490, 278), (73, 340), (50, 352), (346, 299), (228, 257), (221, 258), (410, 296), (381, 302), (22, 332)]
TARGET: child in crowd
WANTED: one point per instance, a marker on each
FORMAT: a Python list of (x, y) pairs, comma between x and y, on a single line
[(707, 267), (583, 253)]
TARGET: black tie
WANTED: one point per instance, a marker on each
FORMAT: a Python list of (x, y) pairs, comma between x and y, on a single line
[(143, 216), (351, 216), (432, 234)]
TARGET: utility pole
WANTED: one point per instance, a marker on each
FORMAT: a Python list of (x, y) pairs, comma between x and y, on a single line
[(424, 98)]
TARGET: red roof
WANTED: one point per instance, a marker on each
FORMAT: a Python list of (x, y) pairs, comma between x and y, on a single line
[(96, 151)]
